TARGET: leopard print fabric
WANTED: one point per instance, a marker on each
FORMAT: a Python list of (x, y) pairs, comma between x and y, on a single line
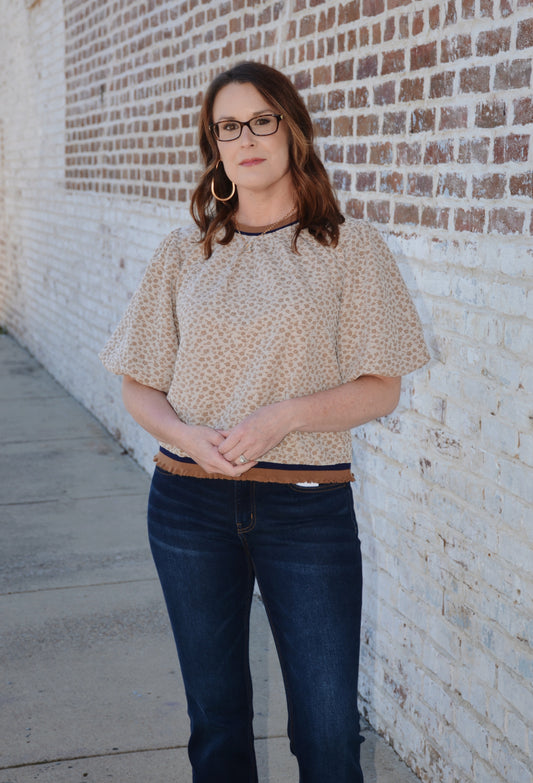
[(257, 323)]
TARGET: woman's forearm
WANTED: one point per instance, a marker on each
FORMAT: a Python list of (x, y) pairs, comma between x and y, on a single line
[(151, 409), (343, 407)]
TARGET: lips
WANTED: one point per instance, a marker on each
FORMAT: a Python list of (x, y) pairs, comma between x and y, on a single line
[(251, 161)]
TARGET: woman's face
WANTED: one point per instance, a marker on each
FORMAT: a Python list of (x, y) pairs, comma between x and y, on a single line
[(254, 163)]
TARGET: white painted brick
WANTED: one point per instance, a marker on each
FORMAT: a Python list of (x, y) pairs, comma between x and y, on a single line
[(505, 760)]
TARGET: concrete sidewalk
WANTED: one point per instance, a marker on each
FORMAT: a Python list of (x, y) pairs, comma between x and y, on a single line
[(91, 687)]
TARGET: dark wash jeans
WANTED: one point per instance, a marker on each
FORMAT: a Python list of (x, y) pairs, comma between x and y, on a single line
[(209, 539)]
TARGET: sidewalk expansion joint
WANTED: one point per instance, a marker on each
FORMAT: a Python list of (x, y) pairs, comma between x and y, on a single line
[(80, 587), (113, 752)]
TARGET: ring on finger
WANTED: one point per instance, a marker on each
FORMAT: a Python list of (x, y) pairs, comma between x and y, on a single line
[(242, 459)]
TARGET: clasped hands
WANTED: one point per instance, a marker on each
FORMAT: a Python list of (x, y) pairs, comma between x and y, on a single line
[(218, 451)]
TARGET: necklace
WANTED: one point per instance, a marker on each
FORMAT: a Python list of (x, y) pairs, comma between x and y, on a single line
[(273, 225)]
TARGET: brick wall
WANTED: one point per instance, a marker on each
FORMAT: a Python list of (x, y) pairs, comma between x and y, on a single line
[(423, 114)]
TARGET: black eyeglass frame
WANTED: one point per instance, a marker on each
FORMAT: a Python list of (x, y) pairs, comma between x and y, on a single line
[(214, 130)]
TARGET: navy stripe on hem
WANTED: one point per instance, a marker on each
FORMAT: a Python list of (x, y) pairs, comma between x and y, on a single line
[(267, 465)]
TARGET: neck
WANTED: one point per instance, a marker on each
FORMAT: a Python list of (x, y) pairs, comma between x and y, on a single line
[(262, 210)]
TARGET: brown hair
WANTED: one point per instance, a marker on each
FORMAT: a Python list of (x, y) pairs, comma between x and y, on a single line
[(318, 209)]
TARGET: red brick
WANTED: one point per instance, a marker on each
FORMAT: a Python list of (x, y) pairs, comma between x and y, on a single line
[(376, 34), (322, 75), (408, 154), (391, 182), (316, 102), (451, 13), (523, 111), (341, 42), (435, 217), (343, 126), (367, 125), (344, 71), (486, 8), (418, 23), (522, 185), (381, 154), (342, 180), (489, 186), (322, 126), (506, 9), (406, 214), (475, 79), (364, 37), (490, 115), (367, 66), (326, 20), (422, 120), (378, 211), (506, 221), (358, 98), (473, 150), (333, 153), (373, 7), (524, 38), (491, 42), (420, 185), (384, 94), (394, 122), (302, 80), (434, 17), (468, 9), (441, 84), (411, 90), (456, 48), (349, 12), (424, 56), (451, 185), (365, 181), (453, 117), (470, 220), (513, 75), (511, 148), (393, 61), (336, 100), (390, 28), (397, 3), (439, 152), (355, 209), (403, 27), (307, 25), (357, 153)]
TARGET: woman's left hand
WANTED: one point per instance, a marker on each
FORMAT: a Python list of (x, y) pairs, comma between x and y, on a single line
[(256, 434)]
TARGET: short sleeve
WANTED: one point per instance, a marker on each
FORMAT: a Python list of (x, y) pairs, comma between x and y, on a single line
[(379, 329), (145, 342)]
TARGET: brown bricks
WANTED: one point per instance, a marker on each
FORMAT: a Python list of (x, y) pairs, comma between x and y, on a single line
[(399, 105)]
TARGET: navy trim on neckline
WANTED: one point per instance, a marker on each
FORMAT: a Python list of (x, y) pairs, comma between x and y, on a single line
[(264, 233)]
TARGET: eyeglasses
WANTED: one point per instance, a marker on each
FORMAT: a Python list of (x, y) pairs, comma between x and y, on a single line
[(262, 125)]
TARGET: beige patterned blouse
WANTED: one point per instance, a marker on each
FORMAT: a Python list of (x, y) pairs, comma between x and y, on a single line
[(257, 323)]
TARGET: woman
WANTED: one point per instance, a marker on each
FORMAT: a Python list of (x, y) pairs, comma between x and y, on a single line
[(256, 341)]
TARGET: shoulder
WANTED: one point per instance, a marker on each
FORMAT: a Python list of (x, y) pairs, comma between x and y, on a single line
[(177, 246), (359, 231), (362, 244)]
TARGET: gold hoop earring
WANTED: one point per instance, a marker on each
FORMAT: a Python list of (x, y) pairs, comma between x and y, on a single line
[(213, 188)]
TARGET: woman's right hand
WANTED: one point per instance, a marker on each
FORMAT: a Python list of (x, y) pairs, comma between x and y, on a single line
[(151, 409), (202, 444)]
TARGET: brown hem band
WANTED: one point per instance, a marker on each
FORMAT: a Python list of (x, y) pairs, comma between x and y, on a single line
[(273, 475)]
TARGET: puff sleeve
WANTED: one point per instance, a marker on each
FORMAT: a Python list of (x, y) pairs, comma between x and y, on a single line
[(379, 329), (145, 343)]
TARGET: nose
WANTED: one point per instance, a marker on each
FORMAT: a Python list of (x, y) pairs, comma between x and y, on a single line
[(247, 137)]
